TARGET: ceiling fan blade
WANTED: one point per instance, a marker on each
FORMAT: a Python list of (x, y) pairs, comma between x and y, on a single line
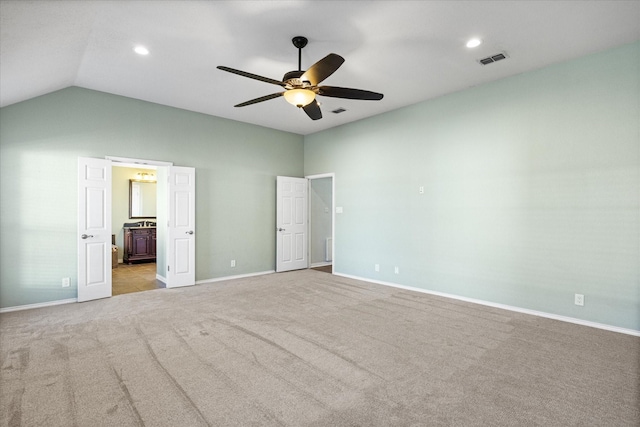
[(313, 110), (322, 69), (262, 98), (348, 93), (251, 76)]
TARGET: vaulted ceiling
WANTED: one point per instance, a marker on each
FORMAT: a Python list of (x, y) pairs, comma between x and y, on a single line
[(410, 51)]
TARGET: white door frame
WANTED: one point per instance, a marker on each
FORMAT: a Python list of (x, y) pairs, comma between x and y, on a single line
[(333, 213), (132, 163), (135, 162)]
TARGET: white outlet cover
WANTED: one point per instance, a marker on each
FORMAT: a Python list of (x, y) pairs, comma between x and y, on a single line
[(579, 299), (339, 209)]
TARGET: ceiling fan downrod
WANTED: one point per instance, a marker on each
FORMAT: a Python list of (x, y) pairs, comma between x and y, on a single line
[(299, 42)]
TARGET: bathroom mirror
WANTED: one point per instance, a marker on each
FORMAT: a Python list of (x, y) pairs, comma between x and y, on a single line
[(142, 199)]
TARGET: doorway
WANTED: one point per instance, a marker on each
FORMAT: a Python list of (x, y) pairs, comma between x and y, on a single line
[(305, 222), (321, 222), (134, 201)]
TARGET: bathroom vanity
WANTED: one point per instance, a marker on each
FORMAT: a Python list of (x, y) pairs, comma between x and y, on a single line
[(139, 244)]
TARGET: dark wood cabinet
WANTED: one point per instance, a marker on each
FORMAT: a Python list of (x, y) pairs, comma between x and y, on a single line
[(139, 244)]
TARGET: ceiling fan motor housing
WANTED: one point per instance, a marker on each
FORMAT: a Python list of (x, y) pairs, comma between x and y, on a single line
[(292, 78)]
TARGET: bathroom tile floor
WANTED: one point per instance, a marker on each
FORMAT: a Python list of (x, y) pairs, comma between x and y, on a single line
[(129, 278)]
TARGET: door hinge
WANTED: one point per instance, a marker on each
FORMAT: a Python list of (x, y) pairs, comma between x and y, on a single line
[(168, 269)]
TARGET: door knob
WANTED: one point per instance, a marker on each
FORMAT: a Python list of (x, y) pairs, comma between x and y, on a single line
[(280, 229), (86, 236), (189, 232)]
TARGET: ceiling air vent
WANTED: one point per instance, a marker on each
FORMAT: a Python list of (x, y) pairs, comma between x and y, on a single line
[(494, 58), (338, 110)]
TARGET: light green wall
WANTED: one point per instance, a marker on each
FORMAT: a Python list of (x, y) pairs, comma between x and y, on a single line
[(531, 191), (41, 139)]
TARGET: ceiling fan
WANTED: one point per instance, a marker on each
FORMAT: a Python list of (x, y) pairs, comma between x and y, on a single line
[(301, 87)]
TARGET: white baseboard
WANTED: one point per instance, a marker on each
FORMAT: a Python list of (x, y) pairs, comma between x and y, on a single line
[(38, 305), (239, 276), (502, 306), (161, 278)]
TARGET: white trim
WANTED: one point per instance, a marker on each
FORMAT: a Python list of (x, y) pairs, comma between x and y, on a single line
[(137, 162), (239, 276), (321, 175), (503, 306), (161, 278), (38, 305)]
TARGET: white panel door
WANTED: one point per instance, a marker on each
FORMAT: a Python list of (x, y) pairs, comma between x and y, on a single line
[(291, 224), (94, 228), (181, 239)]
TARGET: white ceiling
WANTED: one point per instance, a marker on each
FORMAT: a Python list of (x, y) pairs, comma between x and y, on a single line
[(410, 51)]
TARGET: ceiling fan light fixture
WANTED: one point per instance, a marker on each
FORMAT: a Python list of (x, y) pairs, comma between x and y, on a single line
[(299, 97)]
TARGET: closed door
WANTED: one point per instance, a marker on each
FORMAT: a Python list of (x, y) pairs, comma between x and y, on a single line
[(291, 224), (94, 228)]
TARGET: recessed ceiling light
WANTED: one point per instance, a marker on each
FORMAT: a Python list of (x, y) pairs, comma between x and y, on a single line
[(141, 50), (474, 43)]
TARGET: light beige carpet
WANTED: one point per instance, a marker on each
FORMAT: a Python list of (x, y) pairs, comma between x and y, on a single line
[(309, 349)]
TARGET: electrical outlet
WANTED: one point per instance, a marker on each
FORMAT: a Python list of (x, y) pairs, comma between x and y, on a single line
[(65, 282), (421, 189), (377, 267), (579, 299), (397, 270), (233, 263)]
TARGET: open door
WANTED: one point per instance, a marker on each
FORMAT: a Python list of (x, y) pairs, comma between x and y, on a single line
[(291, 224), (94, 228), (181, 246)]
